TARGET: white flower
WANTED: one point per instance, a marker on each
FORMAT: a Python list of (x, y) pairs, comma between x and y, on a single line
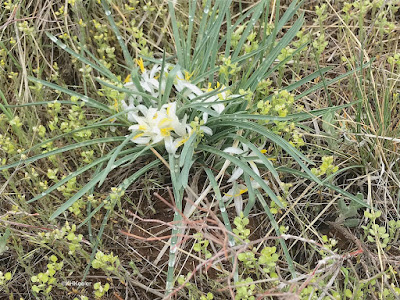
[(182, 84), (218, 107), (149, 81), (244, 152), (236, 193), (155, 126)]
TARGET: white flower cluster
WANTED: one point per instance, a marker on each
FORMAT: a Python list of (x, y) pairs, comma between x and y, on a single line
[(153, 124)]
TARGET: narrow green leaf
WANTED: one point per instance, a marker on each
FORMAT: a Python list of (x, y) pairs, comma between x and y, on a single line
[(115, 153), (88, 101), (127, 56), (325, 183), (101, 69), (61, 150)]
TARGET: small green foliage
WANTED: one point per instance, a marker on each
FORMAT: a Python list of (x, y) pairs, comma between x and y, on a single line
[(44, 282), (209, 296), (329, 243), (77, 207), (87, 156), (106, 262), (248, 259), (245, 292), (348, 213), (115, 197), (100, 290), (5, 277), (241, 231), (281, 105), (376, 233), (66, 234), (327, 167), (181, 280), (228, 69), (201, 245), (275, 209), (69, 188), (268, 259), (394, 60)]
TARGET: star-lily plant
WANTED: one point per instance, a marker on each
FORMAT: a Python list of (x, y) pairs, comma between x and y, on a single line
[(165, 108)]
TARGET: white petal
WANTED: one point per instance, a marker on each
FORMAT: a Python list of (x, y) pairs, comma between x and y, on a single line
[(205, 117), (228, 195), (219, 108), (206, 130), (238, 200), (169, 145), (254, 167), (134, 127), (142, 140), (236, 174), (233, 150)]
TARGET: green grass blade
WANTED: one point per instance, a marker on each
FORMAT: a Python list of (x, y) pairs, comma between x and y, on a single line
[(115, 153), (187, 147), (327, 83), (259, 74), (89, 101), (256, 13), (251, 193), (224, 214), (63, 149), (175, 31), (41, 103), (4, 107), (327, 184), (127, 56), (101, 70)]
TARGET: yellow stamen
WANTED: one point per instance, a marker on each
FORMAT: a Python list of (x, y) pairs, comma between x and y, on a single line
[(180, 143), (142, 127), (140, 64), (263, 151), (209, 89), (164, 121), (137, 136), (166, 131), (127, 79), (187, 75), (116, 104), (242, 191)]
